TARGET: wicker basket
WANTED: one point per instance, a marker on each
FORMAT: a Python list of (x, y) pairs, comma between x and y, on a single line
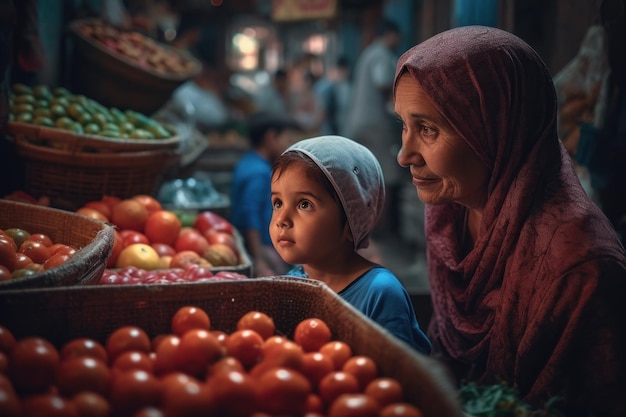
[(62, 314), (117, 81), (72, 176), (93, 238)]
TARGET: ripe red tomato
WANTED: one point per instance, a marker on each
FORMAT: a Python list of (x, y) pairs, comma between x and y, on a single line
[(163, 249), (283, 392), (62, 248), (49, 405), (83, 374), (91, 404), (192, 240), (233, 393), (133, 390), (225, 364), (214, 236), (42, 238), (246, 346), (401, 410), (385, 390), (187, 258), (83, 347), (187, 399), (198, 349), (10, 404), (316, 365), (164, 362), (127, 338), (33, 364), (22, 261), (312, 334), (36, 251), (338, 351), (5, 273), (363, 368), (188, 318), (354, 405), (284, 355), (132, 359), (336, 383), (55, 260), (7, 253), (259, 322), (7, 340), (131, 236), (208, 220)]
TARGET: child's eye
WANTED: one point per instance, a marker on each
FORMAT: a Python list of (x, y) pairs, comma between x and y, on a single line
[(305, 204), (277, 204)]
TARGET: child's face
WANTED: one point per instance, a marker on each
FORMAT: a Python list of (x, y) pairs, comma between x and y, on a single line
[(306, 226)]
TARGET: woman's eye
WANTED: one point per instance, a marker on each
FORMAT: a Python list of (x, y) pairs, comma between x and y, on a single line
[(428, 131)]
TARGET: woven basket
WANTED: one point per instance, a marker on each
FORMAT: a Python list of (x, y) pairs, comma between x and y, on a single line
[(71, 177), (62, 314), (93, 238), (117, 81)]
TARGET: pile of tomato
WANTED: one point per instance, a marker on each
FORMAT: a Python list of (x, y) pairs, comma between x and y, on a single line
[(192, 273), (23, 253), (196, 370)]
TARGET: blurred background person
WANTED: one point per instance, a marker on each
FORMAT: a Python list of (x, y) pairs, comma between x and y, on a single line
[(370, 120), (333, 92), (251, 206), (274, 97)]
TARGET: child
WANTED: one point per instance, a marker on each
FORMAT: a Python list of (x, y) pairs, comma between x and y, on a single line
[(251, 210), (327, 195)]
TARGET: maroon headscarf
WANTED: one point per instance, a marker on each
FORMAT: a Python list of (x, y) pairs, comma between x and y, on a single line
[(538, 301)]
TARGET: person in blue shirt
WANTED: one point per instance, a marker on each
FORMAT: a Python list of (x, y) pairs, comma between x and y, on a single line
[(251, 210), (328, 194)]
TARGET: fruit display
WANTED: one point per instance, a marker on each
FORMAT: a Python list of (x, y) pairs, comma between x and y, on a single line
[(141, 50), (191, 273), (23, 253), (58, 108), (197, 369), (151, 238)]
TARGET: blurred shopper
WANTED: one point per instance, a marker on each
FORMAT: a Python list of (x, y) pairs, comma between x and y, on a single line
[(592, 118), (274, 97), (370, 120), (251, 206), (333, 92), (305, 107)]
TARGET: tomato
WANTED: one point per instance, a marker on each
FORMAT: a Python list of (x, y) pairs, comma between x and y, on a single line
[(129, 214), (83, 374), (5, 273), (33, 364), (233, 393), (385, 390), (213, 236), (22, 261), (36, 251), (246, 346), (132, 359), (354, 405), (338, 351), (197, 350), (132, 236), (4, 363), (163, 249), (284, 355), (10, 404), (150, 203), (221, 336), (83, 347), (25, 272), (225, 364), (18, 235), (190, 399), (401, 410), (165, 361), (55, 260), (312, 334), (91, 404), (208, 220), (132, 390), (283, 392), (7, 340), (127, 338), (7, 253), (314, 406), (336, 383), (188, 318), (187, 258), (163, 226), (62, 248), (315, 366), (191, 240), (100, 206), (49, 405), (259, 322), (363, 368), (42, 238), (92, 213)]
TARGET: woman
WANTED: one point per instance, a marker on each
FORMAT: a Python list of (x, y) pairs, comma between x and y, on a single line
[(527, 275)]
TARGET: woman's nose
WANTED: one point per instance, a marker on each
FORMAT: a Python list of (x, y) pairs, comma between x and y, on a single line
[(409, 155)]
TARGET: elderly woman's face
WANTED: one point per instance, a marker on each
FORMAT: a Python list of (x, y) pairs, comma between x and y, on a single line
[(443, 166)]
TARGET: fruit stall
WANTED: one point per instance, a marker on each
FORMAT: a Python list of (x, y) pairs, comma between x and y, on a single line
[(114, 303)]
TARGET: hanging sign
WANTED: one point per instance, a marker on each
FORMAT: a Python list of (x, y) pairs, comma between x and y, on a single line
[(288, 10)]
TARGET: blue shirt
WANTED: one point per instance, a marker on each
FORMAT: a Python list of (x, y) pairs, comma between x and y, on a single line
[(251, 205), (381, 296)]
